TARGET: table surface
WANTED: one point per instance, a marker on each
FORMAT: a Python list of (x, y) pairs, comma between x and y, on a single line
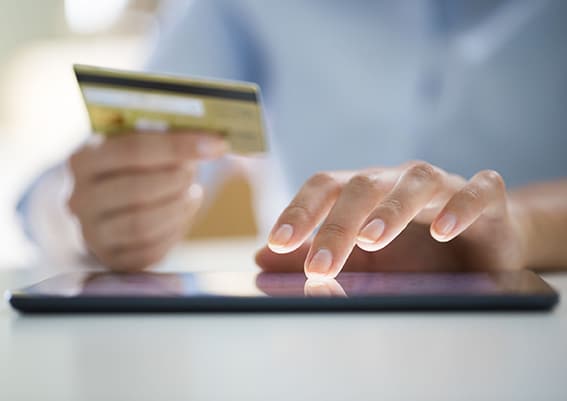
[(361, 356)]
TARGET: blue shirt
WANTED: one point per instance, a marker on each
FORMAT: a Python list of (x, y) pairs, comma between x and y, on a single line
[(466, 85)]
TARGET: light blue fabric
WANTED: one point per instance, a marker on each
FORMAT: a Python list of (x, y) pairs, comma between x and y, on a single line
[(466, 85)]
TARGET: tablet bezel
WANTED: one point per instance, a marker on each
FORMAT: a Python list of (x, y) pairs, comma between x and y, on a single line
[(543, 297)]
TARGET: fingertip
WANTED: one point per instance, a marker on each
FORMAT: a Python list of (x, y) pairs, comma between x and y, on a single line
[(316, 276), (210, 147), (320, 265), (439, 237), (368, 246), (445, 224), (197, 144), (195, 192), (442, 229), (279, 239), (372, 232), (278, 249), (282, 250)]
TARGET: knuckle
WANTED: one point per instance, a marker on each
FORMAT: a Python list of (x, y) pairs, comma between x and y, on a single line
[(333, 230), (299, 212), (471, 193), (423, 171), (392, 207), (493, 179), (409, 163), (323, 180), (362, 184)]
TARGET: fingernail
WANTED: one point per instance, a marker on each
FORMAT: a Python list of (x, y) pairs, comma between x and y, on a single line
[(372, 232), (211, 147), (281, 236), (446, 224), (320, 263)]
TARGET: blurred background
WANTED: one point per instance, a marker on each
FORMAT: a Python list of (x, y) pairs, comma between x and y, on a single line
[(42, 117)]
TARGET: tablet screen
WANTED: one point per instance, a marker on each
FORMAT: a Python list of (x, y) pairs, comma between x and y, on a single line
[(244, 284)]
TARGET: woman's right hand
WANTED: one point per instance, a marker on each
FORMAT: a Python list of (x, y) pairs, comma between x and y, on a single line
[(135, 195)]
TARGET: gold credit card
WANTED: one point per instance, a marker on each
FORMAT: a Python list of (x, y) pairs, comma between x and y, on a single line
[(120, 102)]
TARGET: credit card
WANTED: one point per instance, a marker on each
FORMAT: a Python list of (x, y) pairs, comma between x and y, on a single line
[(120, 102)]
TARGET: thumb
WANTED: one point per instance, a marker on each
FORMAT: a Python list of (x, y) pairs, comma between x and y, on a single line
[(284, 263)]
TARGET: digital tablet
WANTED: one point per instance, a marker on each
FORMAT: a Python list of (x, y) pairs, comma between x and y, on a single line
[(264, 292)]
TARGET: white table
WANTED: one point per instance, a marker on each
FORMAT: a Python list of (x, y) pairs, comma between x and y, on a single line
[(363, 356)]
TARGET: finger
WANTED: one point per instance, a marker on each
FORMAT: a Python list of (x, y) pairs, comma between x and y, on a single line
[(452, 184), (485, 194), (305, 212), (293, 262), (130, 190), (129, 260), (143, 226), (426, 254), (143, 151), (337, 235), (416, 188)]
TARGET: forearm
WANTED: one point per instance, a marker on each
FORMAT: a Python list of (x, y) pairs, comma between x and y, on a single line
[(543, 211)]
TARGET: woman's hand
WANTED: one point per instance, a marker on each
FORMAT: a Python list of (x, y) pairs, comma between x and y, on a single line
[(408, 218), (135, 195)]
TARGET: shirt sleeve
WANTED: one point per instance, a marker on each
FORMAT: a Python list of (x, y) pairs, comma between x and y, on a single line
[(46, 220)]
